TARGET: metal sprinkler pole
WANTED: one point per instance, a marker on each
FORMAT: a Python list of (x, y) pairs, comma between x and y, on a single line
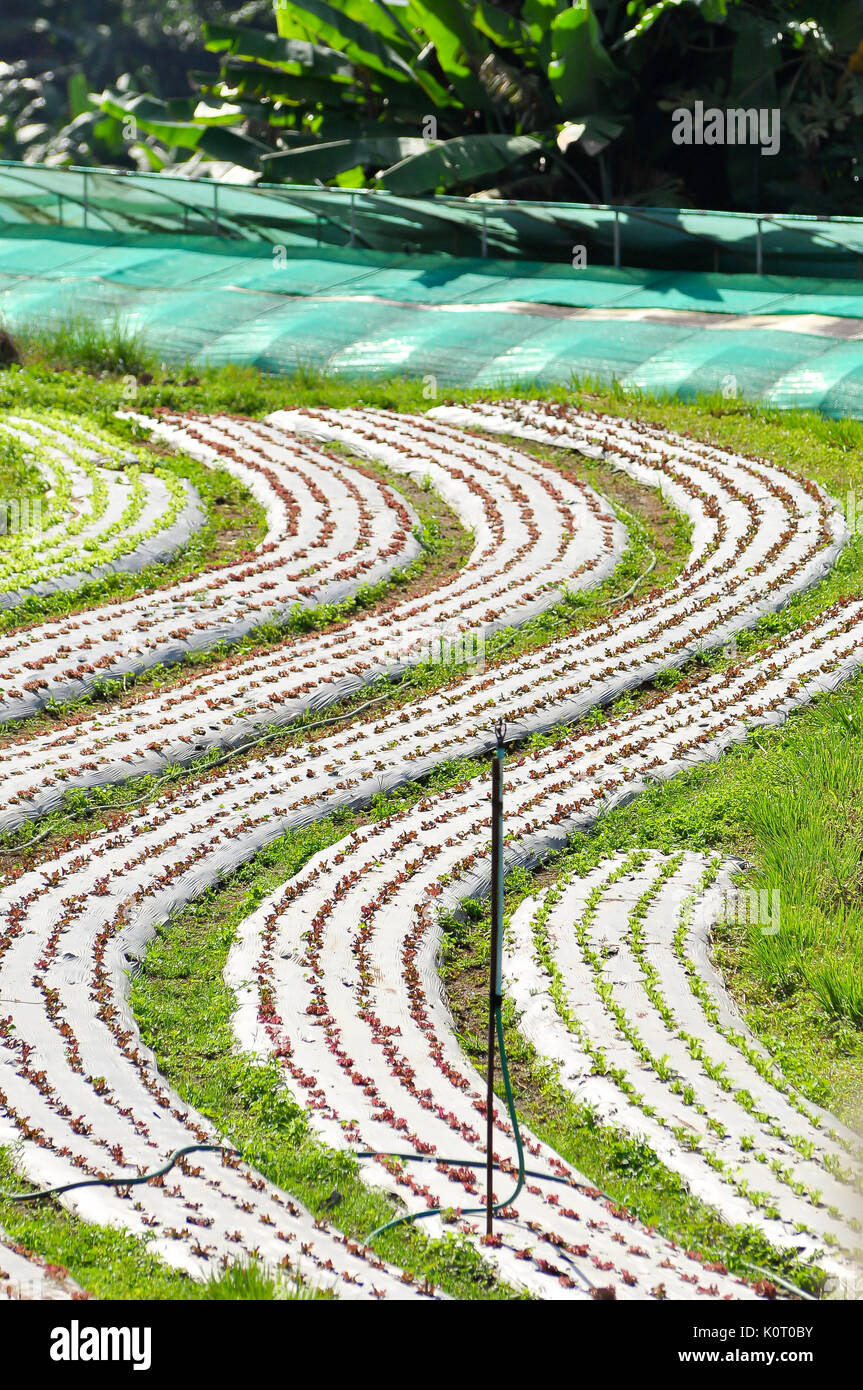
[(495, 981)]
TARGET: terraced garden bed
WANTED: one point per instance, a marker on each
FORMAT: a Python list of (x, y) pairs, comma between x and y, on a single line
[(253, 776)]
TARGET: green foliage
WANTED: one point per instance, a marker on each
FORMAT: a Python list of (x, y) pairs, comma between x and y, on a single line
[(116, 347), (251, 1281), (535, 99), (184, 1009), (105, 1261), (56, 53)]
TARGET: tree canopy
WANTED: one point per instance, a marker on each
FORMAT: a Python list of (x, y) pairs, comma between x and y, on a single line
[(542, 99)]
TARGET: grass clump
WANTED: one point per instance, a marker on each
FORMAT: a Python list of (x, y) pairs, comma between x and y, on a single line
[(184, 1010)]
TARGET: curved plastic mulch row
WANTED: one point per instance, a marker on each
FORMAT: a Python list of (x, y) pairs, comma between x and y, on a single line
[(335, 973), (100, 512), (532, 531), (612, 981)]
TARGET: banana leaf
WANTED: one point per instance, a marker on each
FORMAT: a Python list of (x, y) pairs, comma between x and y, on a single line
[(357, 41), (292, 55), (467, 159), (714, 11), (172, 124), (378, 16), (447, 26), (579, 64), (504, 29), (538, 16), (271, 85), (325, 159)]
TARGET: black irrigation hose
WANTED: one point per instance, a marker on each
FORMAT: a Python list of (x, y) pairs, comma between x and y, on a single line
[(190, 771), (125, 1181), (119, 1181), (479, 1163)]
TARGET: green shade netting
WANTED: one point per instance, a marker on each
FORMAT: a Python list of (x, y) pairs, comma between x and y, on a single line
[(273, 289), (670, 238)]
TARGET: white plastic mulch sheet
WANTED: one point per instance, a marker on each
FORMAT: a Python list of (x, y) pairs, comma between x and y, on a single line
[(612, 982), (330, 529), (759, 535), (533, 530), (335, 974), (23, 1276), (100, 512)]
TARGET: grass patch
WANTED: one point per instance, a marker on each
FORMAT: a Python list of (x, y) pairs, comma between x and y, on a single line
[(234, 524), (655, 530), (184, 1009), (786, 801), (113, 349), (111, 1263)]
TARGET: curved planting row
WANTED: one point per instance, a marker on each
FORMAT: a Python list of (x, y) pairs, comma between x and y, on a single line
[(335, 973), (330, 529), (611, 978), (100, 512), (759, 535), (533, 531), (23, 1276)]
